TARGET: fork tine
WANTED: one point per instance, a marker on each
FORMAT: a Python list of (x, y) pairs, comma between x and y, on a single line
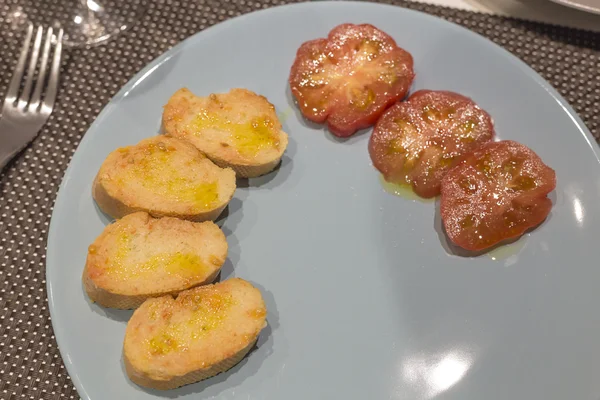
[(50, 95), (37, 92), (24, 99), (13, 88)]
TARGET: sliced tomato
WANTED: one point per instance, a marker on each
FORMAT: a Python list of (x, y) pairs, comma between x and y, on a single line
[(350, 78), (496, 193), (418, 141)]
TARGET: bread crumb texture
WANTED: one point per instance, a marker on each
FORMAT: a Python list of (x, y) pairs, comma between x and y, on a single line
[(164, 176), (143, 256), (174, 341), (239, 129)]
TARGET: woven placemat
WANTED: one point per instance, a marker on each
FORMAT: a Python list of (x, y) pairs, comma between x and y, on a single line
[(30, 364)]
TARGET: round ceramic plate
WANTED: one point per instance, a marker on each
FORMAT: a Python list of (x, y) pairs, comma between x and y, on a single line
[(365, 298)]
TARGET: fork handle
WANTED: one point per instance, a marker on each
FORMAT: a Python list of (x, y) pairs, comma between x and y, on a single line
[(12, 141)]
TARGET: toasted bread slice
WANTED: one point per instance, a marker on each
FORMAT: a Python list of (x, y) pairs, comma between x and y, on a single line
[(204, 331), (139, 257), (239, 129), (166, 177)]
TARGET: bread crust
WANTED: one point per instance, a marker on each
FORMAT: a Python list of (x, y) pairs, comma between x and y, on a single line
[(233, 313), (140, 257), (141, 379), (238, 129), (142, 178)]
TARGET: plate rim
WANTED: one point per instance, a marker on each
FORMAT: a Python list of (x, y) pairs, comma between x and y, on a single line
[(53, 234)]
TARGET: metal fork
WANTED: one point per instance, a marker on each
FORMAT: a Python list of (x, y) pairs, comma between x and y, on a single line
[(24, 115)]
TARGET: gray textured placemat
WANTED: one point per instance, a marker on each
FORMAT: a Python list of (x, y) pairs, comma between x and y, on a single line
[(30, 365)]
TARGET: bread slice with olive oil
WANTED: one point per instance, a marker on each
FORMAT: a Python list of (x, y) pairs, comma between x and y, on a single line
[(139, 257), (171, 342), (163, 176), (239, 129)]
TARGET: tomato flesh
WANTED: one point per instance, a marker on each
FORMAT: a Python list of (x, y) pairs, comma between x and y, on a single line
[(349, 78), (496, 193), (418, 141)]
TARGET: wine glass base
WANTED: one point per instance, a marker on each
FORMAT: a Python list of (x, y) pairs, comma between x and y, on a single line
[(85, 22)]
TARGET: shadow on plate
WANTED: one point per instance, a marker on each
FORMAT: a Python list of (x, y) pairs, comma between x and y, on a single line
[(105, 218), (230, 218), (232, 211), (227, 270), (271, 180), (228, 222), (111, 313), (233, 256), (234, 377)]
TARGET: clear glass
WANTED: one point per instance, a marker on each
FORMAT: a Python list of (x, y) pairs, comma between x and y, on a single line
[(85, 22)]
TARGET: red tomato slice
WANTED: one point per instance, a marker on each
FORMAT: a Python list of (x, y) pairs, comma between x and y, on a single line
[(418, 141), (496, 193), (350, 78)]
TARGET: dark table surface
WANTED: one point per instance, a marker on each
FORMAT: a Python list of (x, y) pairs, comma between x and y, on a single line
[(30, 364)]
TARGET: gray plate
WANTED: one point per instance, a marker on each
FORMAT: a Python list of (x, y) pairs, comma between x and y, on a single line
[(366, 300)]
